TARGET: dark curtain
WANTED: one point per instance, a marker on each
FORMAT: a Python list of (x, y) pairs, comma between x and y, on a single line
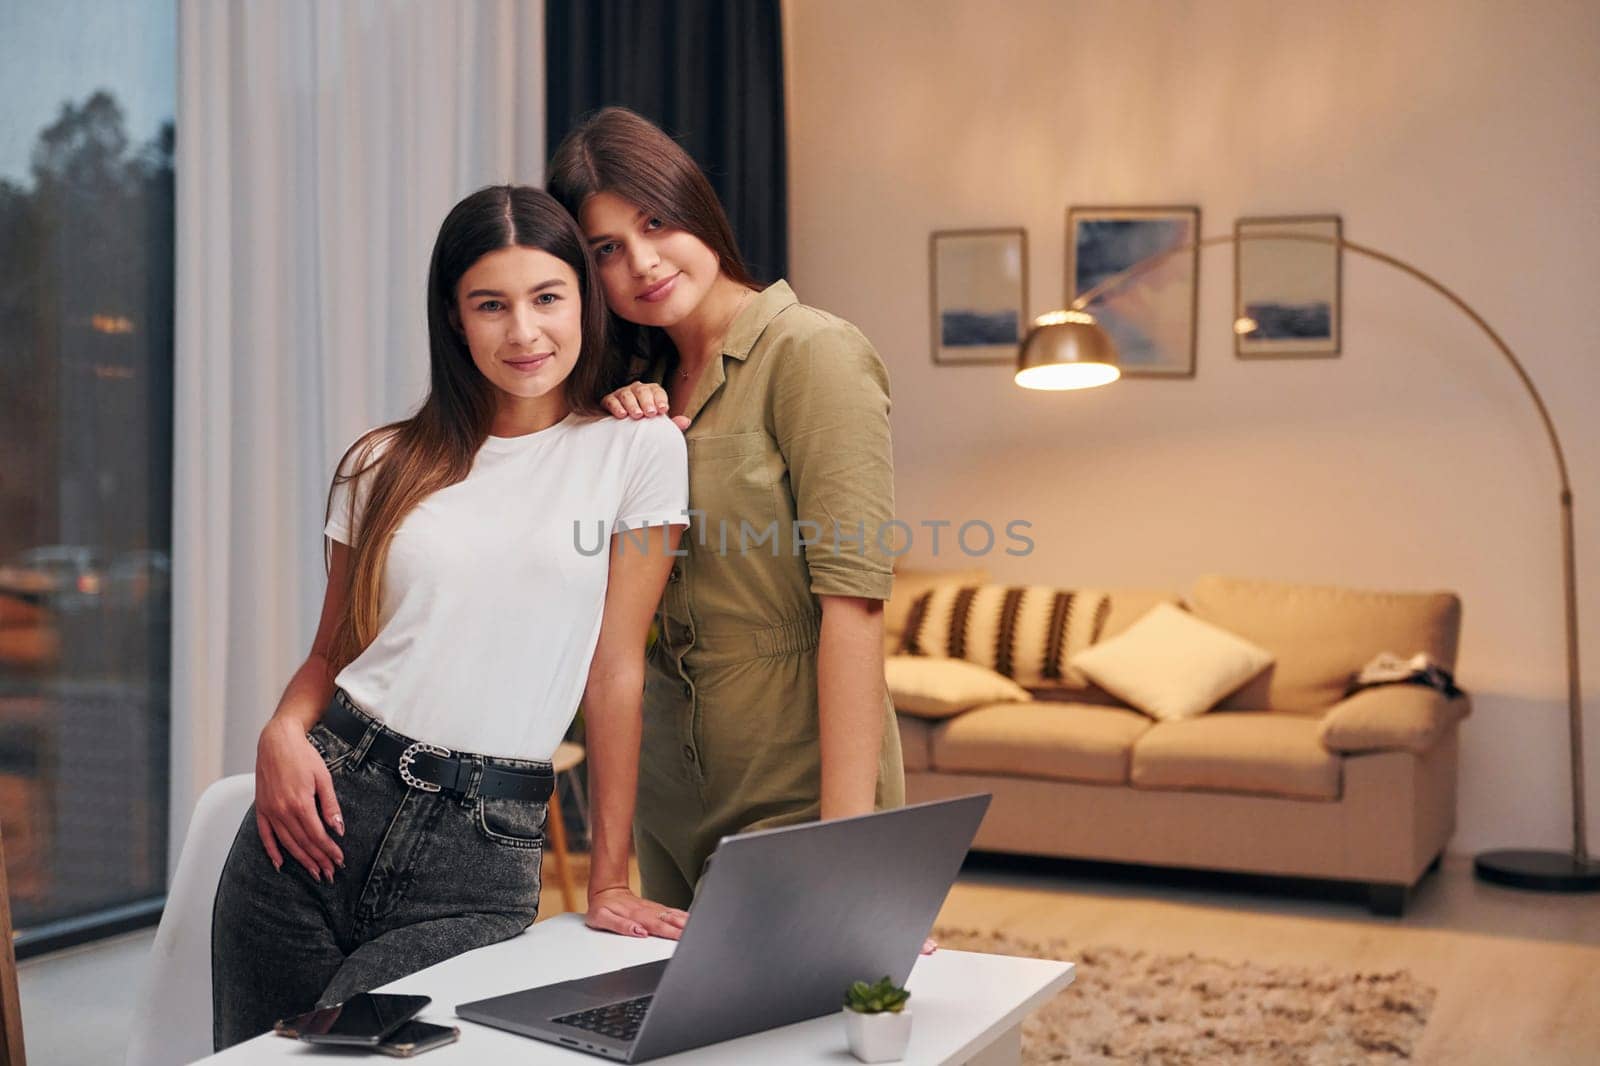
[(709, 72)]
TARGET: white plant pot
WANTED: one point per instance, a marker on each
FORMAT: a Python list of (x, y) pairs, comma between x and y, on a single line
[(878, 1037)]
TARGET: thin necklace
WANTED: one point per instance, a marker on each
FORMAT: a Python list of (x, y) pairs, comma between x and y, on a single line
[(745, 296)]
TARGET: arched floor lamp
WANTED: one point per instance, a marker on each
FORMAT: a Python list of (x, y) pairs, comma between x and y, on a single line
[(1069, 350)]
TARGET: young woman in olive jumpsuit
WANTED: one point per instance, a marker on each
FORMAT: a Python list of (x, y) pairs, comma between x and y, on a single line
[(765, 702)]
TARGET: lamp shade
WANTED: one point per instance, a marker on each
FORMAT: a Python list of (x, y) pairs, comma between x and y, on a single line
[(1066, 350)]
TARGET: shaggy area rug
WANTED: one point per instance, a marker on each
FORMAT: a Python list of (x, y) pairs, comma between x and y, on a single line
[(1135, 1007)]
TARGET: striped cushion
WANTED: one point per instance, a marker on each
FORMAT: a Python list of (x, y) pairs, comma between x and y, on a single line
[(1027, 634)]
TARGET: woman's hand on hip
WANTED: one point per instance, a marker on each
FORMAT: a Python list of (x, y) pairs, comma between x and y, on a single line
[(291, 782), (642, 399), (618, 910)]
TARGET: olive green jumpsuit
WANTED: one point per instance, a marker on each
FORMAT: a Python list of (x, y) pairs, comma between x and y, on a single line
[(791, 489)]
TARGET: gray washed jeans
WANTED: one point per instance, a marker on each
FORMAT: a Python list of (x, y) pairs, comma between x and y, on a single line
[(427, 876)]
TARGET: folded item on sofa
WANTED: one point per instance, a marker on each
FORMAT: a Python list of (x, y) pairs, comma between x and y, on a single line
[(1387, 668)]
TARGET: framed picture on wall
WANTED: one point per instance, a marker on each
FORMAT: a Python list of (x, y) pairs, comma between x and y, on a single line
[(1286, 292), (979, 289), (1151, 317)]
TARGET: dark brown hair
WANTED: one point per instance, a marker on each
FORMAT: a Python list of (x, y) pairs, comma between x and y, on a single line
[(434, 448), (619, 151)]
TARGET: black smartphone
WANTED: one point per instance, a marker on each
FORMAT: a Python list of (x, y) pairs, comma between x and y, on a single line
[(413, 1038), (363, 1020)]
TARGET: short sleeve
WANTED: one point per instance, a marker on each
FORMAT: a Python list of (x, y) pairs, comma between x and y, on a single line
[(655, 489), (352, 485), (830, 416)]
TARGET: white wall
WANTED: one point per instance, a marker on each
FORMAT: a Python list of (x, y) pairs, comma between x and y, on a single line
[(1464, 137)]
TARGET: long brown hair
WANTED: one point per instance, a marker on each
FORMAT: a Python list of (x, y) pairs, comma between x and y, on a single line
[(619, 151), (434, 448)]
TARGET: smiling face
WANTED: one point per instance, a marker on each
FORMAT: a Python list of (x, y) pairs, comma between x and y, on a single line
[(522, 316), (652, 274)]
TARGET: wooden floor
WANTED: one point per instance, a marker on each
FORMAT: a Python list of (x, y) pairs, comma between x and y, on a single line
[(1518, 973)]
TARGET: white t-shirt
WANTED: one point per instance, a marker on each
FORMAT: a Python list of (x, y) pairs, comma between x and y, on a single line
[(494, 586)]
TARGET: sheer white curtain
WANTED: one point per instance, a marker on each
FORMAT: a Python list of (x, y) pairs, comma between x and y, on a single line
[(319, 146)]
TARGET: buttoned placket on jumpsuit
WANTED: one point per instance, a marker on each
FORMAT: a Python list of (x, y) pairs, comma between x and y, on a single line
[(791, 423)]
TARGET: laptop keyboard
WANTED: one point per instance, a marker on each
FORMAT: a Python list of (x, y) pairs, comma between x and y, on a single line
[(619, 1020)]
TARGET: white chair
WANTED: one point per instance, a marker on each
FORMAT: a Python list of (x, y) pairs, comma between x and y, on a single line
[(173, 1023)]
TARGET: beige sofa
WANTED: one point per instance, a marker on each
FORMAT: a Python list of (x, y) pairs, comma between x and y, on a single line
[(1287, 777)]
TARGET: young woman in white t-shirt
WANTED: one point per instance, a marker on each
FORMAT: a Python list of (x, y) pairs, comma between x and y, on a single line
[(401, 785)]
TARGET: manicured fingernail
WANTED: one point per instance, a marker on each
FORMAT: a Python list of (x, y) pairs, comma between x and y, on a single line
[(638, 930), (338, 824)]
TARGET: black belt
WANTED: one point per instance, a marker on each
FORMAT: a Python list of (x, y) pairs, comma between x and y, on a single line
[(432, 768)]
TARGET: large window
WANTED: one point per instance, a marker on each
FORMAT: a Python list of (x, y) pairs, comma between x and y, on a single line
[(86, 313)]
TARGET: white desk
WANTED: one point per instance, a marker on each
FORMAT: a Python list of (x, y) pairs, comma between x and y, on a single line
[(968, 1007)]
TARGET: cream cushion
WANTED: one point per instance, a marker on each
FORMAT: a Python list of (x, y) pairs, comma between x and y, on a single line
[(939, 688), (1238, 751), (1321, 636), (1171, 665), (1058, 741)]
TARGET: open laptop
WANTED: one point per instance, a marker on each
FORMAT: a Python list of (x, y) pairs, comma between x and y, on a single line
[(783, 921)]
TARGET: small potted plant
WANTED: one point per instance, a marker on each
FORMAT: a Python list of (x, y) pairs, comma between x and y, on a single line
[(876, 1021)]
